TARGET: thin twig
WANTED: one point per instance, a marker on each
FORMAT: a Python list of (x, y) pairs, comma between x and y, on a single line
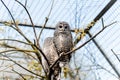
[(43, 54), (16, 50), (106, 70), (70, 52), (19, 74), (25, 3), (17, 28), (102, 22), (32, 45), (10, 13), (29, 17), (22, 66), (45, 21), (37, 54), (51, 9), (21, 33), (115, 55), (8, 67), (15, 41)]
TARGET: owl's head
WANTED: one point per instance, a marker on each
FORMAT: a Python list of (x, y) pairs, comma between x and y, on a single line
[(62, 27)]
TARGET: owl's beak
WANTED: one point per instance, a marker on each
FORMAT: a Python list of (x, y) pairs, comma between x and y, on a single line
[(63, 29)]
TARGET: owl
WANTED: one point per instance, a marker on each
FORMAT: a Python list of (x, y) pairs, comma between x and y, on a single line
[(54, 46), (63, 40)]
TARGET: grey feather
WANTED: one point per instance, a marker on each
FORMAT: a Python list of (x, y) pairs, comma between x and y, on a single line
[(54, 46), (51, 54), (63, 40), (49, 51)]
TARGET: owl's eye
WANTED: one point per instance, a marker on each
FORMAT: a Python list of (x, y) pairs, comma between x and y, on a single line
[(65, 27), (60, 26)]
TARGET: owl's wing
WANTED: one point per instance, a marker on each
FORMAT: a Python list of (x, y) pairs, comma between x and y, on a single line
[(50, 52)]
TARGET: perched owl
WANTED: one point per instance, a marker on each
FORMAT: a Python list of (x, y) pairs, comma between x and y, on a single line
[(54, 46), (63, 40)]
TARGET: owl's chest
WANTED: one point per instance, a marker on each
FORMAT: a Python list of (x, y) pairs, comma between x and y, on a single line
[(63, 40), (62, 37), (63, 43)]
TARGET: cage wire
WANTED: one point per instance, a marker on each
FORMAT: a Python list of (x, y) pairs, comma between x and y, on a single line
[(97, 60)]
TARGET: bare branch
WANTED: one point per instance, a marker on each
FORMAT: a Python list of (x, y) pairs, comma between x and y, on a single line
[(25, 3), (46, 21), (21, 33), (22, 66), (10, 13), (70, 52), (29, 17), (32, 45), (42, 54), (17, 29), (7, 67), (101, 67), (15, 41), (51, 9), (115, 55), (102, 23), (20, 50), (19, 74), (43, 28)]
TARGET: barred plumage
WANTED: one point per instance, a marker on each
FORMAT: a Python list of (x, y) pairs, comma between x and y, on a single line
[(54, 46)]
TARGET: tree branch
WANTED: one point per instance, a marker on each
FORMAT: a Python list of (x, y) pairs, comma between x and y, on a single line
[(9, 13), (115, 55), (17, 28), (19, 74), (42, 54), (21, 33), (46, 21), (22, 66), (29, 17), (20, 50), (15, 41)]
